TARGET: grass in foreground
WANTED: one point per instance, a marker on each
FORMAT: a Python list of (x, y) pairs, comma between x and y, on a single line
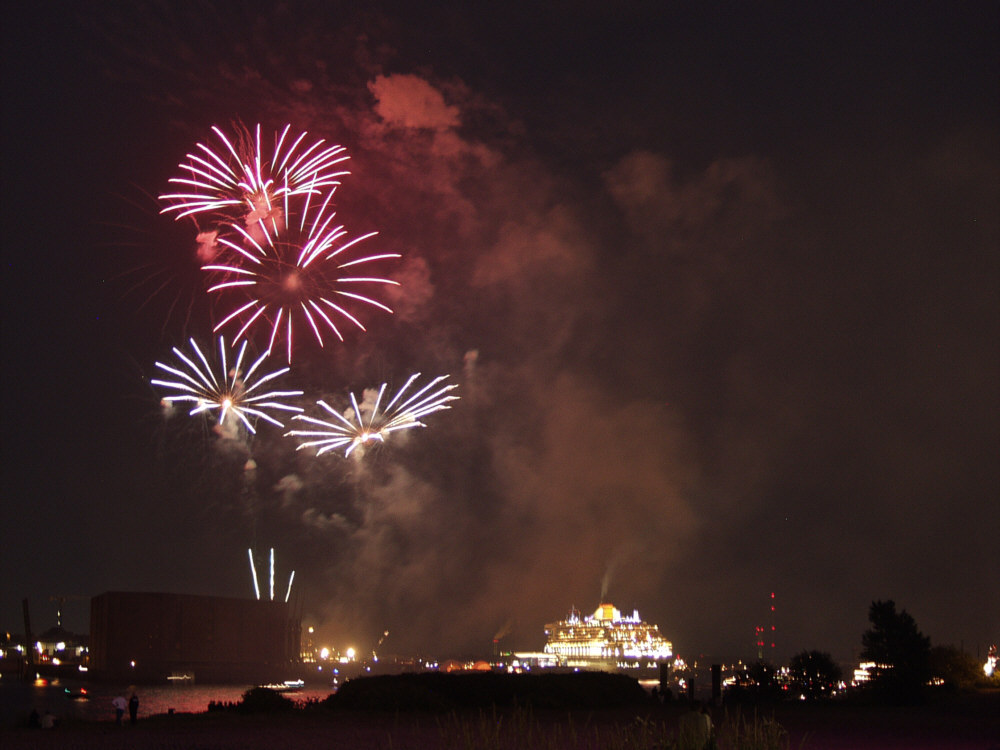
[(520, 729)]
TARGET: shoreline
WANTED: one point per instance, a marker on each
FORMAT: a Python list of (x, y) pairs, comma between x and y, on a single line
[(961, 722)]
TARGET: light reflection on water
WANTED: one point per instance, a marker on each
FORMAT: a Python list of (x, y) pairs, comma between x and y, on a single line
[(17, 699)]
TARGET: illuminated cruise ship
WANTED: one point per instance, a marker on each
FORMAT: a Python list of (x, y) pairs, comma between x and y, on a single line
[(606, 640)]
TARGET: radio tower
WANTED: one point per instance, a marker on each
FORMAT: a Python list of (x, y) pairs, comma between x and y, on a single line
[(773, 630), (760, 638)]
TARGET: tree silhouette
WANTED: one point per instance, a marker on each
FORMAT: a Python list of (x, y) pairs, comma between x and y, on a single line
[(815, 673), (901, 653)]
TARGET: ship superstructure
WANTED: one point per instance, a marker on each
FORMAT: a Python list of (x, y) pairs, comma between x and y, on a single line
[(607, 640)]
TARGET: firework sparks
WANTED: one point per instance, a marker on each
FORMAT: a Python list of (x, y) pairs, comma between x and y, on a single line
[(298, 269), (234, 394), (371, 422), (240, 180)]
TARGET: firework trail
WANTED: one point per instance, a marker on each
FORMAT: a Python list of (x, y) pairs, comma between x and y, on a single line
[(353, 429), (241, 181), (256, 585), (233, 393), (293, 270)]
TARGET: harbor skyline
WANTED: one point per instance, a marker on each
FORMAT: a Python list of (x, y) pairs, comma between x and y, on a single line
[(717, 288)]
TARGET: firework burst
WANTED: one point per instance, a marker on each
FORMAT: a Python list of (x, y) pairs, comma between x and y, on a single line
[(370, 422), (233, 394), (298, 268), (242, 181)]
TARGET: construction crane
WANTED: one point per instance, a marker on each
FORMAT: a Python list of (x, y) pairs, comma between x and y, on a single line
[(61, 601), (374, 650)]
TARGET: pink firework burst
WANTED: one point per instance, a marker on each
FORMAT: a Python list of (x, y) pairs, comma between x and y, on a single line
[(291, 268), (242, 180)]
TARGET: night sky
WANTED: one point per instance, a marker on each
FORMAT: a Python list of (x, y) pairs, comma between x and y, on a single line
[(719, 288)]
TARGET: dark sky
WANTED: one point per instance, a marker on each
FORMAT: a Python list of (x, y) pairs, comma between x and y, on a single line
[(719, 288)]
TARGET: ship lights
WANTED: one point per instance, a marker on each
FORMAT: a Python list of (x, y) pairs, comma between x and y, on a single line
[(607, 638)]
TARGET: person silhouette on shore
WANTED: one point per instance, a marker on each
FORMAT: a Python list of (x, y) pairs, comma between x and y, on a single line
[(133, 708), (120, 706), (695, 727)]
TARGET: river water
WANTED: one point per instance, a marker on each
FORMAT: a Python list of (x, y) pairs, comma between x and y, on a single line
[(18, 698)]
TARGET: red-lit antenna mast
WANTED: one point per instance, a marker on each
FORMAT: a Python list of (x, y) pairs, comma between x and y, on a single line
[(773, 629), (760, 635)]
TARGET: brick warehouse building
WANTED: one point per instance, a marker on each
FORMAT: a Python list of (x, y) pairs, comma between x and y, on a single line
[(147, 637)]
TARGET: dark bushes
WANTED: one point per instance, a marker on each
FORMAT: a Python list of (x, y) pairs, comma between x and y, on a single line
[(258, 700), (435, 691)]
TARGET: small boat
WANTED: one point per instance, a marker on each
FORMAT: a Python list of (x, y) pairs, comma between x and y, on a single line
[(288, 686)]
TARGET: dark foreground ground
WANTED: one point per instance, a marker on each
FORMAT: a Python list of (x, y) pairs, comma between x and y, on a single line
[(955, 722)]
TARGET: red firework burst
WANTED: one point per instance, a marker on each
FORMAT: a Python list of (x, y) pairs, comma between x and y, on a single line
[(292, 267)]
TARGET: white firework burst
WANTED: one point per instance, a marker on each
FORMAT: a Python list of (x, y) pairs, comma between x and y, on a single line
[(232, 394), (371, 422)]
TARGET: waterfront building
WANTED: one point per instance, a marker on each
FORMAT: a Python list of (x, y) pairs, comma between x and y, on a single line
[(154, 637)]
